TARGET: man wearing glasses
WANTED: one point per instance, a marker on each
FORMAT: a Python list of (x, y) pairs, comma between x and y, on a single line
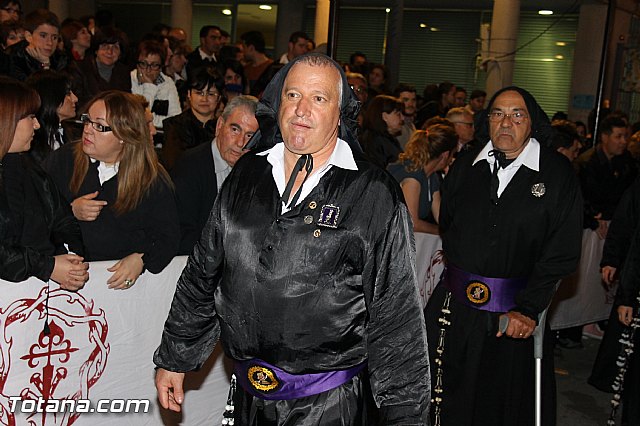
[(510, 222), (158, 88), (196, 125), (462, 121)]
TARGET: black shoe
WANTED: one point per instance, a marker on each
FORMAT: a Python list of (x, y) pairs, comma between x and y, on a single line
[(569, 344)]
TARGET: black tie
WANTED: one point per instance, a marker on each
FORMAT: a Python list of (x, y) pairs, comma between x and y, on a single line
[(306, 161), (501, 162)]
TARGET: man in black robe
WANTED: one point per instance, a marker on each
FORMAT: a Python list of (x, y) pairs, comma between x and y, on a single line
[(305, 273), (510, 222)]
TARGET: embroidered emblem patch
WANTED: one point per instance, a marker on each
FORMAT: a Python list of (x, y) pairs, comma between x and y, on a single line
[(262, 378), (478, 293), (329, 216), (538, 189)]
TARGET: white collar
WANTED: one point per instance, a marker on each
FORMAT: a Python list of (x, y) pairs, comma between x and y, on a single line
[(204, 55), (529, 157), (342, 156), (106, 172), (218, 162)]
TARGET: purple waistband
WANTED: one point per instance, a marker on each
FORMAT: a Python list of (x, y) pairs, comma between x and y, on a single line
[(267, 381), (487, 294)]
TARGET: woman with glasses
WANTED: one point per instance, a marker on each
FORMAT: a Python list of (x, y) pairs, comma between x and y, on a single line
[(118, 191), (149, 81), (427, 152), (35, 220), (197, 124), (101, 70), (57, 103)]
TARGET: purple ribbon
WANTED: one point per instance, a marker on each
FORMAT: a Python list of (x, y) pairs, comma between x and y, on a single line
[(478, 292), (269, 382)]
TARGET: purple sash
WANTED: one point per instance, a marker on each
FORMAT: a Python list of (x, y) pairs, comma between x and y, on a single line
[(267, 381), (478, 292)]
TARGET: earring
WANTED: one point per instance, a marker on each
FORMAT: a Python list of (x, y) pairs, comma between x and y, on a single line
[(121, 142)]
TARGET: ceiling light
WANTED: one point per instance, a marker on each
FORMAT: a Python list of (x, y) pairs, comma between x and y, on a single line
[(545, 12), (559, 57), (387, 10), (547, 60), (434, 29), (265, 7), (226, 11), (423, 25), (560, 43)]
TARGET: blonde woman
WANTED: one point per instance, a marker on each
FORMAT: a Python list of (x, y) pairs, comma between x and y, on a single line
[(427, 152), (118, 191)]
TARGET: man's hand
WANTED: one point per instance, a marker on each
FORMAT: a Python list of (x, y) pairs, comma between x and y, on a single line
[(603, 227), (520, 326), (86, 208), (70, 272), (625, 314), (169, 386), (608, 274)]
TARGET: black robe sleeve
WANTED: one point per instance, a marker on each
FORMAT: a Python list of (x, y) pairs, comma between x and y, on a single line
[(396, 336), (630, 280), (621, 228), (192, 330)]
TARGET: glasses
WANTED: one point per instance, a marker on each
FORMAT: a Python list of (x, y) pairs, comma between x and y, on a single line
[(466, 123), (109, 46), (357, 89), (12, 10), (84, 118), (146, 65), (204, 94), (516, 117)]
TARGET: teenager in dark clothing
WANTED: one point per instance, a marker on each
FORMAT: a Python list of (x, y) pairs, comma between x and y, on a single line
[(35, 221)]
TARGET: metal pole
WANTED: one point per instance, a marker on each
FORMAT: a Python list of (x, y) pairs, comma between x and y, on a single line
[(603, 66), (332, 34)]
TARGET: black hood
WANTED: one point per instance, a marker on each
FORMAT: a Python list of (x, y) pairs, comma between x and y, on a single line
[(541, 128), (269, 133)]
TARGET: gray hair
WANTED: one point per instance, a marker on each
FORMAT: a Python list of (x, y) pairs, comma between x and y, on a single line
[(242, 101)]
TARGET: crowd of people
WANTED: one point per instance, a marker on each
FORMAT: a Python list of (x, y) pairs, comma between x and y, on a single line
[(115, 151)]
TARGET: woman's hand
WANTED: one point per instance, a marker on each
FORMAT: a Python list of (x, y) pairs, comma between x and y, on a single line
[(126, 272), (70, 272), (625, 314), (86, 208)]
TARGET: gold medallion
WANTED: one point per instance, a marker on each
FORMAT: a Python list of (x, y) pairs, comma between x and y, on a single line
[(262, 378), (478, 293)]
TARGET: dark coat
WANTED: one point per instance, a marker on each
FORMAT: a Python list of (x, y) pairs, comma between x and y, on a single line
[(151, 228), (35, 221), (603, 182), (181, 132), (88, 82), (22, 65), (194, 176)]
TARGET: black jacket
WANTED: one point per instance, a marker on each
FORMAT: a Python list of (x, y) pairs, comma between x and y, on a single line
[(622, 227), (603, 182), (194, 176), (35, 221), (22, 65), (181, 132), (87, 81), (380, 149), (151, 228)]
